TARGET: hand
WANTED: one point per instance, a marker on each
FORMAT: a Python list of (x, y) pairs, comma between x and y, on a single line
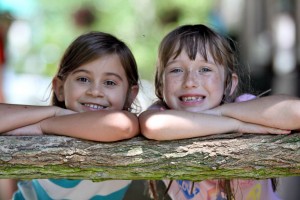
[(61, 112), (260, 129), (33, 129)]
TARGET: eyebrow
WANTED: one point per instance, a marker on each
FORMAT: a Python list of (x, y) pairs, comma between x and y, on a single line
[(106, 73), (174, 61), (169, 63), (114, 74)]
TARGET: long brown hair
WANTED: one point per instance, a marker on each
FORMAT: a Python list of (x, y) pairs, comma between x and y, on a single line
[(87, 48)]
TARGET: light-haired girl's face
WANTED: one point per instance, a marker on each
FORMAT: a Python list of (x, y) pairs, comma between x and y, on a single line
[(193, 85), (99, 85)]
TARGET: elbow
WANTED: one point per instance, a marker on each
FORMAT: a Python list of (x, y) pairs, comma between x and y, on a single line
[(128, 126), (149, 134), (115, 126), (150, 128), (129, 131), (296, 122), (291, 118)]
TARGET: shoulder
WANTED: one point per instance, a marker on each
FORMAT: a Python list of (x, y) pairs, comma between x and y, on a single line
[(245, 97), (158, 105), (153, 109)]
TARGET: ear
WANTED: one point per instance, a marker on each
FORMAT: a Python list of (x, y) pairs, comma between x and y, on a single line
[(58, 88), (133, 93), (234, 82)]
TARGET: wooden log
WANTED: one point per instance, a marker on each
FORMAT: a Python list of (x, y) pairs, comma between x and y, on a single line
[(250, 156)]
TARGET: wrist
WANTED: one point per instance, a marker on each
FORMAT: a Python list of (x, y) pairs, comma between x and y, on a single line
[(221, 110), (236, 125), (56, 111), (44, 126)]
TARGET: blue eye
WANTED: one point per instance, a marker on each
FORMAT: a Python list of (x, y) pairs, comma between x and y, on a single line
[(83, 79), (176, 70), (109, 83), (205, 69)]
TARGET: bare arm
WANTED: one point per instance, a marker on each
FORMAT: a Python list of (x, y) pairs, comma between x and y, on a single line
[(33, 129), (104, 126), (173, 124), (16, 116), (278, 111)]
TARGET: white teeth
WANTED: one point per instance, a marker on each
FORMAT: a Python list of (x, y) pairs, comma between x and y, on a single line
[(189, 99), (94, 106)]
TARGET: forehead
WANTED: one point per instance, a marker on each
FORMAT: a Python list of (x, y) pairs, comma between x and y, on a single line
[(105, 63), (179, 53)]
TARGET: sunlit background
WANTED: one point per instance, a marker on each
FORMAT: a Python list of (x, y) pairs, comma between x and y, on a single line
[(38, 32)]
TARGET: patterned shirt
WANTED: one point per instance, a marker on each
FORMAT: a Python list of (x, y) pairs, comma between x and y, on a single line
[(210, 190), (48, 189)]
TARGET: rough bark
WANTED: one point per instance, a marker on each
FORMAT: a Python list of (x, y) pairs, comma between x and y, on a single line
[(222, 156)]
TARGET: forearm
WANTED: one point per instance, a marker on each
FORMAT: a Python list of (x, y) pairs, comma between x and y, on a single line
[(16, 116), (33, 129), (172, 124), (105, 126), (275, 111)]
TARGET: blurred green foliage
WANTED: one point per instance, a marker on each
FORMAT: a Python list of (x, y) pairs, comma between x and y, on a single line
[(140, 23)]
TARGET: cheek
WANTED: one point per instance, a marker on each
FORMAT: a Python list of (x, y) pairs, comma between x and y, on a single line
[(120, 98), (215, 84), (167, 87), (72, 91), (69, 86), (172, 81), (221, 83)]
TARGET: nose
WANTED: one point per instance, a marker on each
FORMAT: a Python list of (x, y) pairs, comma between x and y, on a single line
[(191, 80), (95, 90)]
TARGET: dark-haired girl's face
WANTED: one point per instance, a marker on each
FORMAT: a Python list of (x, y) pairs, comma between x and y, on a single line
[(193, 85), (98, 85)]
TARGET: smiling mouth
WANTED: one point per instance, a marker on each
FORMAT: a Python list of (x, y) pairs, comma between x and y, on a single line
[(191, 99), (94, 106)]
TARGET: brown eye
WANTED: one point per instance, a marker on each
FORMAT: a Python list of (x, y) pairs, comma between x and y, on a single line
[(83, 79), (110, 83)]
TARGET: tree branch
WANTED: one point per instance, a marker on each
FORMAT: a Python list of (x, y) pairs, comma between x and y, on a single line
[(221, 156)]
